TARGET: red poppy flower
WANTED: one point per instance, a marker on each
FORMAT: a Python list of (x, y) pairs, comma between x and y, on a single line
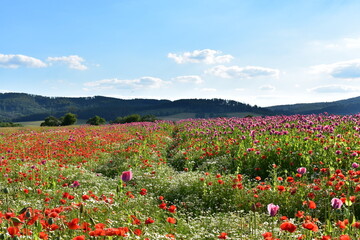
[(311, 226), (312, 204), (281, 188), (82, 237), (299, 214), (172, 209), (288, 226), (149, 221), (325, 238), (162, 205), (43, 235), (85, 197), (170, 236), (222, 235), (171, 220), (13, 231), (137, 232), (73, 224), (143, 191), (97, 232), (99, 226), (290, 179), (342, 224), (356, 225), (135, 220), (267, 235), (344, 237)]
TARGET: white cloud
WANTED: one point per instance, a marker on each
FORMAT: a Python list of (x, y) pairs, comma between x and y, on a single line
[(208, 90), (189, 79), (113, 83), (345, 43), (207, 56), (352, 42), (239, 89), (242, 72), (267, 88), (18, 60), (346, 69), (4, 91), (334, 88), (73, 61)]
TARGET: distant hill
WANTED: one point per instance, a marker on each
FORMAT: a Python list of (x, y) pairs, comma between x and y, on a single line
[(27, 107), (341, 107)]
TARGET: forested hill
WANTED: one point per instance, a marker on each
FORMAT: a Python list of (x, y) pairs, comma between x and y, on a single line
[(27, 107), (342, 107)]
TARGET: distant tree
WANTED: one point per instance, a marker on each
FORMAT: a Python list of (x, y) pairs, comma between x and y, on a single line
[(51, 121), (148, 118), (9, 124), (134, 118), (96, 120), (117, 120), (68, 119)]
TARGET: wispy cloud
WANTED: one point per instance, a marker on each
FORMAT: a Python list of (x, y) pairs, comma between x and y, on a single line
[(267, 88), (208, 90), (189, 79), (18, 60), (239, 89), (138, 83), (4, 91), (346, 69), (207, 56), (242, 72), (73, 61), (334, 88), (345, 43)]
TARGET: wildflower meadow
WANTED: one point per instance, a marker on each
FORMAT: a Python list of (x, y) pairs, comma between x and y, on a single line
[(276, 177)]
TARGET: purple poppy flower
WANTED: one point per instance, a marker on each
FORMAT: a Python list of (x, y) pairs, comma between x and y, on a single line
[(126, 176), (301, 170), (75, 184), (336, 203), (272, 209)]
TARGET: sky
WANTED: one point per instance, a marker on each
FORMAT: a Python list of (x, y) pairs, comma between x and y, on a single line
[(259, 52)]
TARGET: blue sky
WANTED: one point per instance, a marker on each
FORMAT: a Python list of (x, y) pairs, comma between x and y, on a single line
[(263, 52)]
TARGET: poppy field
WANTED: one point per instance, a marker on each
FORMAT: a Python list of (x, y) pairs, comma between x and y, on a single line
[(276, 177)]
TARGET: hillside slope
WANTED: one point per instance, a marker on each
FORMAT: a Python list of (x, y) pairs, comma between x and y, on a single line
[(27, 107), (342, 107)]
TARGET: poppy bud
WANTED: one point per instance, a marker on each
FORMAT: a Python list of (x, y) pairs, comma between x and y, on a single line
[(50, 221)]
